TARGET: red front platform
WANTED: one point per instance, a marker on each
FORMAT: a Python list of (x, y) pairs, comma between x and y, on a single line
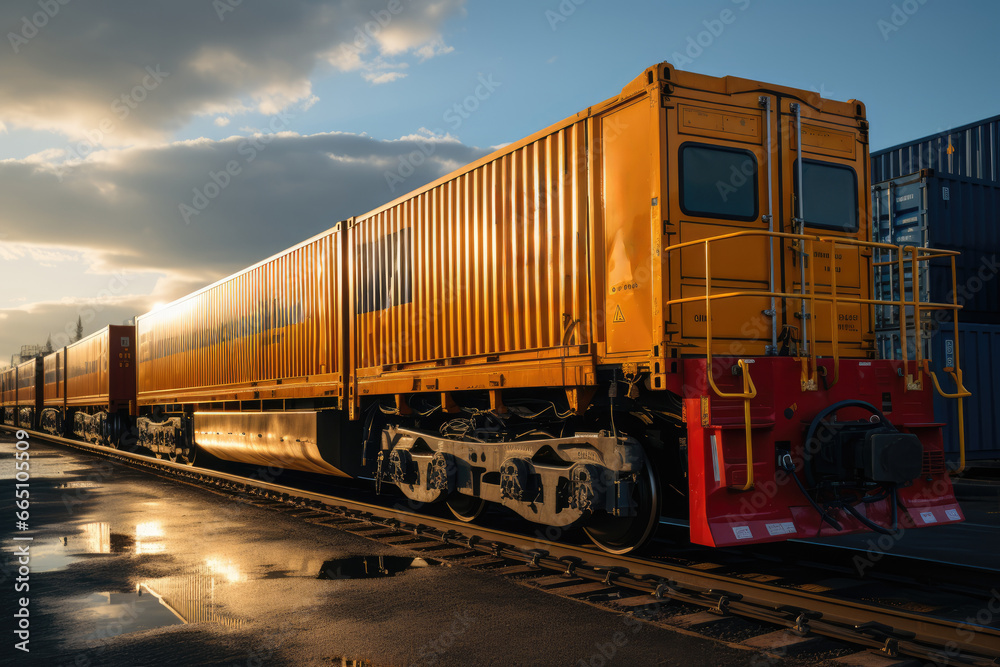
[(721, 514)]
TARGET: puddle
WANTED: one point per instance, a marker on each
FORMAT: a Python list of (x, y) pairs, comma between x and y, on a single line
[(370, 567), (123, 613), (49, 554), (197, 596)]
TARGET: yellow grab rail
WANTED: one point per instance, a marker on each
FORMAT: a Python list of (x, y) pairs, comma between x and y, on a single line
[(960, 393), (749, 390), (912, 254)]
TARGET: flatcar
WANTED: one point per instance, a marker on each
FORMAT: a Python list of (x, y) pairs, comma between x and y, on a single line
[(89, 387), (662, 304)]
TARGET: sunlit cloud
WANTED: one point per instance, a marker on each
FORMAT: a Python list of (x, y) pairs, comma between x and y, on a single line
[(137, 82), (126, 246)]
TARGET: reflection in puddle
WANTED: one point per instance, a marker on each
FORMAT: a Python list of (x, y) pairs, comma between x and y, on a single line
[(99, 539), (121, 613), (225, 568), (157, 603), (148, 538), (49, 554), (193, 597), (369, 567)]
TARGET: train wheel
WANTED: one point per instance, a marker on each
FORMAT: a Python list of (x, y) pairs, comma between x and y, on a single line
[(620, 535), (465, 508)]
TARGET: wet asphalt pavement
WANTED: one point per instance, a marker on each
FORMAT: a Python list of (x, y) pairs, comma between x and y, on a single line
[(127, 568)]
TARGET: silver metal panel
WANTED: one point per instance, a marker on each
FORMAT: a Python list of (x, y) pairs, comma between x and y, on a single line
[(277, 439)]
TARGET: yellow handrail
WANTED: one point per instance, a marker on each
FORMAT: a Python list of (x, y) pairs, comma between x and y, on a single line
[(960, 393), (912, 254), (749, 390)]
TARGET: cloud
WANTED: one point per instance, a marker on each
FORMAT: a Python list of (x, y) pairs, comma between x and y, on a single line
[(433, 49), (247, 198), (135, 72), (32, 325), (222, 121), (384, 77)]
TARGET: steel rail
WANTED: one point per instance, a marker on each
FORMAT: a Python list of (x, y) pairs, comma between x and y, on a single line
[(894, 631)]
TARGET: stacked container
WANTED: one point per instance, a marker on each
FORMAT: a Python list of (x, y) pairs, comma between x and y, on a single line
[(943, 191)]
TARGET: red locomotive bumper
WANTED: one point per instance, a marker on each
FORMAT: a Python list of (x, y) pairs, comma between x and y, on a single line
[(854, 470)]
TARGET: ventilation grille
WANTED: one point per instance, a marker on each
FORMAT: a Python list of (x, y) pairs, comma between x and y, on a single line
[(933, 463)]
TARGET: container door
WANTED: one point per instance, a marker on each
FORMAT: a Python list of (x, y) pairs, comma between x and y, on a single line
[(628, 153), (719, 165), (823, 182)]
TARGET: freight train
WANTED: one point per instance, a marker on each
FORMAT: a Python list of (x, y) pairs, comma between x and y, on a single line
[(663, 304)]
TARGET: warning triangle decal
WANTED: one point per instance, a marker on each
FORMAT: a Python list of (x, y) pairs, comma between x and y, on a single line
[(618, 314)]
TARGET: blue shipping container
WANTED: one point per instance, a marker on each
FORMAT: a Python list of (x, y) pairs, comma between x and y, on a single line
[(970, 152), (935, 211), (979, 348)]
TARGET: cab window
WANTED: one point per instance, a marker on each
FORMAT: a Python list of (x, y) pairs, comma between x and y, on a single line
[(718, 182), (830, 195)]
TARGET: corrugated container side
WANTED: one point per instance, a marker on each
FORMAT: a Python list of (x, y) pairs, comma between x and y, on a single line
[(491, 262), (971, 151), (53, 380), (277, 323), (29, 391), (958, 215), (8, 386), (979, 347), (87, 370), (27, 381), (965, 216)]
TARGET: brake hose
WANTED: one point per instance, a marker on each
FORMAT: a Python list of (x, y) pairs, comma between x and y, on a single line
[(789, 467)]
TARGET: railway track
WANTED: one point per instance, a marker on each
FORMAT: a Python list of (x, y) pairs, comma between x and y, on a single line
[(723, 582)]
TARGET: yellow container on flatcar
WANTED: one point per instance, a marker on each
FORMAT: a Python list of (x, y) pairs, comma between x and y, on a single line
[(270, 332), (29, 393), (8, 395), (99, 371), (550, 257)]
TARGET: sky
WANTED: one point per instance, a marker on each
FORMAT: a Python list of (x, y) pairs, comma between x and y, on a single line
[(150, 148)]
